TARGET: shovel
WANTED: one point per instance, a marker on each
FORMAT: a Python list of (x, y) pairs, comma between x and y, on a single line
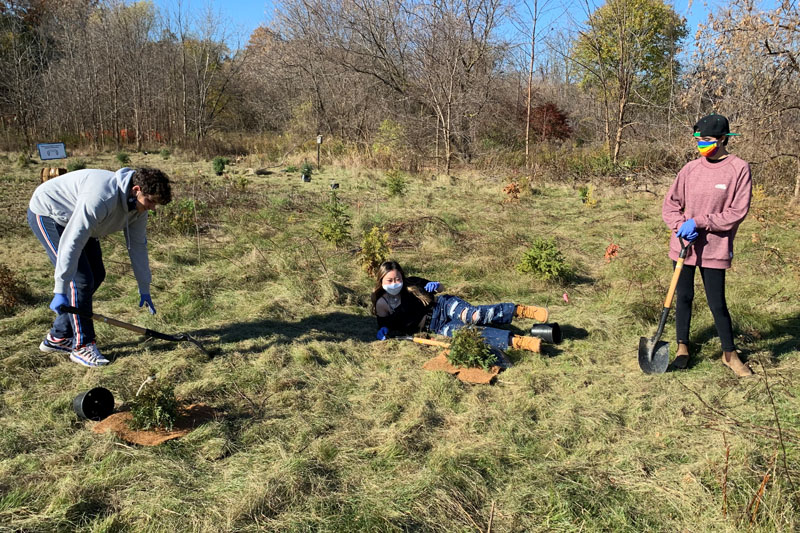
[(501, 358), (423, 340), (654, 353), (142, 331)]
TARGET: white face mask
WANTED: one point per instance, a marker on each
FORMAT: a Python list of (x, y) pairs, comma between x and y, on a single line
[(393, 289)]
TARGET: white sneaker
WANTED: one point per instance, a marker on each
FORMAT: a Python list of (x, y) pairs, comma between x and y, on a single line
[(52, 344), (88, 355)]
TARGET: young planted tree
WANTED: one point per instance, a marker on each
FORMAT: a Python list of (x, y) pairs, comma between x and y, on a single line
[(625, 55)]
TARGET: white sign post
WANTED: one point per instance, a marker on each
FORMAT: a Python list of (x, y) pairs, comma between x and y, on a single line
[(51, 151)]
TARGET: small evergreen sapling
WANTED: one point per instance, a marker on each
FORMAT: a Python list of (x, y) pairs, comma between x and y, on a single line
[(469, 350), (396, 183), (154, 407), (219, 163), (545, 261), (335, 225)]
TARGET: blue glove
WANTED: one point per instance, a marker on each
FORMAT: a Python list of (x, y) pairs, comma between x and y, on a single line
[(432, 286), (688, 230), (145, 299), (383, 333), (59, 299)]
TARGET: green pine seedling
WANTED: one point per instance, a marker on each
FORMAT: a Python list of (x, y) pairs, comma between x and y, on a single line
[(154, 407), (469, 350)]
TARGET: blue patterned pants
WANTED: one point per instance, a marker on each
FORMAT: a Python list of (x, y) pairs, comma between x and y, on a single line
[(449, 310)]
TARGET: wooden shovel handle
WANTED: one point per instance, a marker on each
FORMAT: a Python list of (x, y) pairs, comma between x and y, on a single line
[(676, 274), (431, 342)]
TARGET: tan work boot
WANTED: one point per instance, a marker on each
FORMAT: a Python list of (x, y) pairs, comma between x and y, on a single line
[(521, 342), (732, 361), (681, 357), (531, 311)]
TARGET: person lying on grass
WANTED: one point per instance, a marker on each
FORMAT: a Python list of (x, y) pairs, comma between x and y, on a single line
[(408, 305), (68, 215), (705, 205)]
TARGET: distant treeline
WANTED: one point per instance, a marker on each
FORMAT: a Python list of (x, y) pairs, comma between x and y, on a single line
[(414, 84)]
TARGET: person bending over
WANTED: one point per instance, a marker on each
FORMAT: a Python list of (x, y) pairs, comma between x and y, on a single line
[(68, 215)]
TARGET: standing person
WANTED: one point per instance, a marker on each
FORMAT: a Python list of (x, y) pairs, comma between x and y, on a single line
[(68, 215), (408, 305), (705, 205)]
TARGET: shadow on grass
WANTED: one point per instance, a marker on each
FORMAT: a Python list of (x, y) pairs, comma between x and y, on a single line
[(330, 327), (779, 340), (782, 337)]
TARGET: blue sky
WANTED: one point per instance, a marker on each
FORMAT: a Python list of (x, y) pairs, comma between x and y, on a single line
[(247, 15)]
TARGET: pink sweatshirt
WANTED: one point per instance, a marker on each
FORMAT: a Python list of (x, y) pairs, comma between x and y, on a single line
[(717, 197)]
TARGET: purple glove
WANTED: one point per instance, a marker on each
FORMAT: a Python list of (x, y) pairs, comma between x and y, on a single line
[(146, 300), (688, 230), (58, 300), (383, 333), (432, 286)]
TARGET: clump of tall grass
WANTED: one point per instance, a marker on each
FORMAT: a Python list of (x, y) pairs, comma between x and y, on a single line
[(178, 216), (12, 290), (374, 250), (76, 164)]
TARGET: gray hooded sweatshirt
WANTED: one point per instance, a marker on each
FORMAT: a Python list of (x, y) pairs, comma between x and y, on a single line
[(92, 203)]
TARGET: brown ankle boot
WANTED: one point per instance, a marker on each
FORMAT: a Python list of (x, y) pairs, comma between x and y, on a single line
[(681, 357), (526, 343), (531, 311), (732, 361)]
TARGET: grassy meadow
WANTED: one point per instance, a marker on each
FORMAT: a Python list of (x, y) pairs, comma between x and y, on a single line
[(323, 428)]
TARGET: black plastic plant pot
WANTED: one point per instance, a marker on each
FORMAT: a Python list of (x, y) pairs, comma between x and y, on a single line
[(547, 332), (306, 178), (95, 404)]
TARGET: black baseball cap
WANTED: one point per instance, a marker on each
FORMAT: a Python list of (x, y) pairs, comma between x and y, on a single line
[(713, 125)]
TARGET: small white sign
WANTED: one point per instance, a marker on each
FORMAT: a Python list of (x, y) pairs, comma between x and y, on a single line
[(319, 139), (52, 151)]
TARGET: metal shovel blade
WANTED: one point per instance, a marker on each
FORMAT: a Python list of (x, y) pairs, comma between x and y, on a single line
[(653, 356)]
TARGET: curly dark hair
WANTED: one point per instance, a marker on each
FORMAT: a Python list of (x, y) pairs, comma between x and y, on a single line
[(153, 182)]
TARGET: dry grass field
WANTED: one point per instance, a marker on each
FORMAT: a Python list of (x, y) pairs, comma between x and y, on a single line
[(323, 428)]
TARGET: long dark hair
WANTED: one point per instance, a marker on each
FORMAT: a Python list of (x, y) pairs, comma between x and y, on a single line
[(378, 291)]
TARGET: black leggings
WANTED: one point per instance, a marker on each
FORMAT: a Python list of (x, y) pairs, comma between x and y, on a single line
[(714, 283)]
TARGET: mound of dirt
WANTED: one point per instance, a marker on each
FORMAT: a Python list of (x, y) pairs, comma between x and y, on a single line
[(467, 375), (189, 417)]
